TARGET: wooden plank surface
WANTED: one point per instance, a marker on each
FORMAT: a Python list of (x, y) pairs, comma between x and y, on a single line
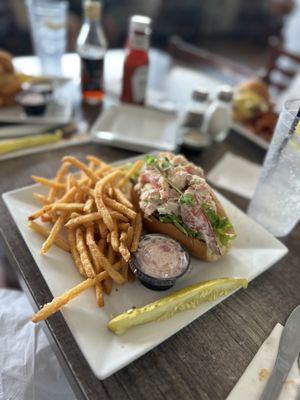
[(205, 359)]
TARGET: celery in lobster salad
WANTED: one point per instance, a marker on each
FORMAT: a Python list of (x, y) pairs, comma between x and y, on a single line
[(174, 190)]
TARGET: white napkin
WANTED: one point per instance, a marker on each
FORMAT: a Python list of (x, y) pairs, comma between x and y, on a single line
[(235, 174), (252, 382), (29, 369)]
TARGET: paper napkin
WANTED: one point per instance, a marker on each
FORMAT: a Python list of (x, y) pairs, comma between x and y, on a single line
[(235, 174), (29, 369), (252, 382)]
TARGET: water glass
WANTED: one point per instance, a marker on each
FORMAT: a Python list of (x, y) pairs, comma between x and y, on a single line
[(276, 201), (48, 22)]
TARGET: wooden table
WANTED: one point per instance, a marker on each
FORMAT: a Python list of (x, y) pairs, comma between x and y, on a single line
[(204, 360)]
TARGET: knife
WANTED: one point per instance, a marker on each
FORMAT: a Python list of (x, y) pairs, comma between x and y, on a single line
[(289, 347)]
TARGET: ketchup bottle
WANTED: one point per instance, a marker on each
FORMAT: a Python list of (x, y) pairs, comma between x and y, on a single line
[(136, 64)]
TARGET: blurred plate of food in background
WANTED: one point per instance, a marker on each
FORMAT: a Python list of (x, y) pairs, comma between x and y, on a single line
[(22, 100), (254, 115)]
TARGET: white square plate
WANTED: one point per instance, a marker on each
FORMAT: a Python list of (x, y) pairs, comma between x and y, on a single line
[(254, 251), (137, 128)]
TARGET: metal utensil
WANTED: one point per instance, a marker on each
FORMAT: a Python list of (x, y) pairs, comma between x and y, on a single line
[(289, 347)]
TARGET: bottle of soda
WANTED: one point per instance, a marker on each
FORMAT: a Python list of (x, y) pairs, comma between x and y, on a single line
[(91, 47), (136, 64)]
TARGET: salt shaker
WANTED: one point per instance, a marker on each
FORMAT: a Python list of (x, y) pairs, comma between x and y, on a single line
[(218, 116), (194, 137)]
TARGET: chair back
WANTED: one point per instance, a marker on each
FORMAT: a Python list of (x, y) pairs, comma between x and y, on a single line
[(282, 66)]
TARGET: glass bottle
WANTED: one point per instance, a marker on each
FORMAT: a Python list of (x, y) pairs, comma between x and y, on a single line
[(136, 64), (91, 47)]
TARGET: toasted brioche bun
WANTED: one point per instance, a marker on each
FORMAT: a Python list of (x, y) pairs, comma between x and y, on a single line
[(195, 247)]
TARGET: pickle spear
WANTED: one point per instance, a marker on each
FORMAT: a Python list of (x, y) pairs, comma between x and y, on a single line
[(184, 299), (9, 145)]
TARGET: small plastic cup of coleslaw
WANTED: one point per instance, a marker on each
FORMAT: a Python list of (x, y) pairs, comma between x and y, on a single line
[(159, 261)]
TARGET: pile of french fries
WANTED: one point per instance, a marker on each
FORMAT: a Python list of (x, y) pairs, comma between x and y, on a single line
[(89, 215)]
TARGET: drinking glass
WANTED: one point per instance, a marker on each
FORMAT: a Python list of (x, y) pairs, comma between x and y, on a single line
[(48, 22), (276, 201)]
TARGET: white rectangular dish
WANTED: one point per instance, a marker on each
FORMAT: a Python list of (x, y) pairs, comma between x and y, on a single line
[(254, 251), (136, 128)]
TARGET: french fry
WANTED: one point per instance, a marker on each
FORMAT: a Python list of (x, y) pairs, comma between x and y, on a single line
[(48, 182), (122, 198), (74, 252), (90, 243), (79, 197), (137, 230), (84, 254), (40, 212), (123, 249), (124, 226), (45, 232), (47, 218), (102, 245), (129, 237), (111, 255), (107, 285), (102, 229), (116, 215), (101, 261), (99, 294), (41, 198), (114, 205), (89, 205), (96, 161), (57, 303), (46, 208), (59, 176), (59, 223), (74, 215), (78, 164), (69, 181), (68, 196), (103, 170), (110, 191), (99, 199), (82, 219), (68, 207), (132, 171), (114, 238)]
